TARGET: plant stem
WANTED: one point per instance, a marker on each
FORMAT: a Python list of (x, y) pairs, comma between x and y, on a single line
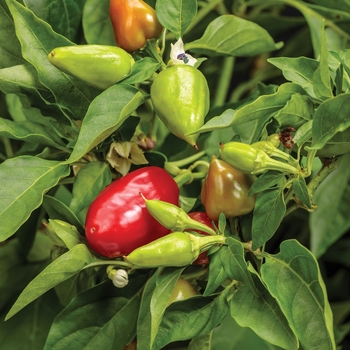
[(224, 81)]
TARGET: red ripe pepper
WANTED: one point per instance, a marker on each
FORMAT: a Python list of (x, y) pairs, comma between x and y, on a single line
[(134, 21), (203, 218), (118, 221)]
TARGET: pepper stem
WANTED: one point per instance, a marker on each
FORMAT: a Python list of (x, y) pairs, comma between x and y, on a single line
[(203, 243), (264, 162)]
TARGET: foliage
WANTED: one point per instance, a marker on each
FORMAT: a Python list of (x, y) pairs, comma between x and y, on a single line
[(273, 67)]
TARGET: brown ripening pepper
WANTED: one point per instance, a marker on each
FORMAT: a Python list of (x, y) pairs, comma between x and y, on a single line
[(225, 190)]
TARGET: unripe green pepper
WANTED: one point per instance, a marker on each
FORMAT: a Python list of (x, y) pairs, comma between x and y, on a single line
[(269, 148), (252, 160), (175, 249), (173, 217), (180, 96), (100, 66)]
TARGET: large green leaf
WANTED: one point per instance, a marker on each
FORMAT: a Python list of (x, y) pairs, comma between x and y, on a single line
[(229, 335), (37, 39), (30, 132), (331, 219), (155, 299), (262, 109), (330, 118), (228, 35), (24, 181), (192, 318), (268, 214), (23, 81), (252, 305), (10, 48), (176, 15), (298, 70), (294, 279), (105, 115), (91, 179), (64, 16), (58, 210), (67, 265), (97, 25), (113, 325), (322, 77)]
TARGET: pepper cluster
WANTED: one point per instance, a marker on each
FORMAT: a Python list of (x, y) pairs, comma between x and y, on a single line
[(138, 217)]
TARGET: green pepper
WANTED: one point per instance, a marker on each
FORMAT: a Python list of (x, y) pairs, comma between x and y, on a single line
[(173, 217), (180, 96), (225, 190), (252, 160), (269, 148), (100, 66), (175, 249)]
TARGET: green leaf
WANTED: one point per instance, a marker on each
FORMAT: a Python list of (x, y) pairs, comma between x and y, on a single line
[(24, 180), (155, 299), (68, 234), (37, 39), (97, 26), (322, 77), (29, 328), (331, 219), (10, 47), (330, 118), (268, 213), (176, 15), (262, 109), (228, 35), (297, 111), (217, 273), (266, 180), (201, 343), (63, 16), (114, 324), (58, 210), (59, 270), (196, 316), (91, 179), (259, 311), (298, 70), (23, 81), (251, 305), (142, 70), (294, 279), (105, 115), (244, 338), (30, 132), (301, 190)]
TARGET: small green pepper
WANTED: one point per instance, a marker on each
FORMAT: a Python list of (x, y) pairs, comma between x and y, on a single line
[(252, 160), (269, 148), (180, 96), (173, 217), (175, 249), (100, 66)]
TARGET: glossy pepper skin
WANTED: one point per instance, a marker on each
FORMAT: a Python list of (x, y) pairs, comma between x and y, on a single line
[(133, 21), (174, 249), (203, 218), (225, 190), (180, 96), (118, 222), (100, 66)]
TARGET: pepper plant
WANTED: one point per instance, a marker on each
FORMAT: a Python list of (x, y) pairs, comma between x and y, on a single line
[(257, 86)]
